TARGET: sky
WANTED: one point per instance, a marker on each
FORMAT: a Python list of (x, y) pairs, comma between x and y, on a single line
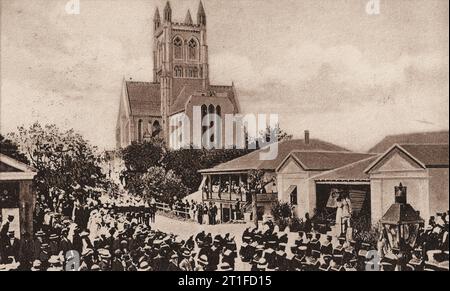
[(347, 76)]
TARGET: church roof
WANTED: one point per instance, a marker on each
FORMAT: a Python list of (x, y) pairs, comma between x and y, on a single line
[(253, 161), (437, 137), (230, 94), (144, 98), (183, 89)]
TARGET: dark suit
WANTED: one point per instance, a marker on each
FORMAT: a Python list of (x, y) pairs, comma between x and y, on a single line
[(12, 249)]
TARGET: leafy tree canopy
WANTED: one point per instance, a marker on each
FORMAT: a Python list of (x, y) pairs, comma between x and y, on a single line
[(68, 166)]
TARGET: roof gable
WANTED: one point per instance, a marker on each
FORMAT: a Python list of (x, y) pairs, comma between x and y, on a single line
[(183, 89), (424, 155), (11, 169), (15, 165), (395, 159), (290, 165), (144, 98)]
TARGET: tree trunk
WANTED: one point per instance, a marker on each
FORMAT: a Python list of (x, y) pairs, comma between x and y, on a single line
[(255, 208)]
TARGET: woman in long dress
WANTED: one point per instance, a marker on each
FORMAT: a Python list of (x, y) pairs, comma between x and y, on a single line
[(346, 211), (339, 213)]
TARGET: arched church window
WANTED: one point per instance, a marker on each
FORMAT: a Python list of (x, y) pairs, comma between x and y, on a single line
[(211, 110), (156, 128), (204, 111), (178, 71), (193, 49), (180, 137), (218, 110), (195, 72), (178, 48), (140, 130)]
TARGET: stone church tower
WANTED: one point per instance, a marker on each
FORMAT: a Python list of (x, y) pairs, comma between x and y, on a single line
[(180, 81)]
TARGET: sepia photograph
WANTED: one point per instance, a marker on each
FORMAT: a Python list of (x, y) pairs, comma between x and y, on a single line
[(241, 136)]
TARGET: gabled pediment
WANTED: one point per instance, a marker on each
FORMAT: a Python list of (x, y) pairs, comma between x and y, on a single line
[(7, 168), (11, 169), (395, 159), (290, 166)]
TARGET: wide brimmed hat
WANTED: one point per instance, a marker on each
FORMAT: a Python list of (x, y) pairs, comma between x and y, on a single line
[(53, 236), (203, 260), (302, 248), (186, 253), (144, 267), (227, 253), (260, 247), (224, 266), (262, 263), (54, 260), (87, 252), (36, 266), (104, 253)]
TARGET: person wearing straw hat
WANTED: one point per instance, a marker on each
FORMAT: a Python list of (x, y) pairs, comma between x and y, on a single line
[(173, 263), (262, 264), (202, 263), (185, 264), (144, 267), (117, 263), (55, 264), (54, 244), (229, 256), (225, 267), (37, 266), (105, 259)]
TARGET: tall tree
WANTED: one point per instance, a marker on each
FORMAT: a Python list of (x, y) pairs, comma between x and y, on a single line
[(67, 164), (138, 158), (163, 185)]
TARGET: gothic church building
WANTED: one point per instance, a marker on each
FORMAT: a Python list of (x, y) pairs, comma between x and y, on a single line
[(180, 82)]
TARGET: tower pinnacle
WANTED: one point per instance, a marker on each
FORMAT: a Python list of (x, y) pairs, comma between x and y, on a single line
[(201, 15)]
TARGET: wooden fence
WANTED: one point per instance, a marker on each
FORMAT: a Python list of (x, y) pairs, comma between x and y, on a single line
[(166, 208)]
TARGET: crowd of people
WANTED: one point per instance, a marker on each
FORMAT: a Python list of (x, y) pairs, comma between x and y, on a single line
[(118, 236), (205, 213)]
